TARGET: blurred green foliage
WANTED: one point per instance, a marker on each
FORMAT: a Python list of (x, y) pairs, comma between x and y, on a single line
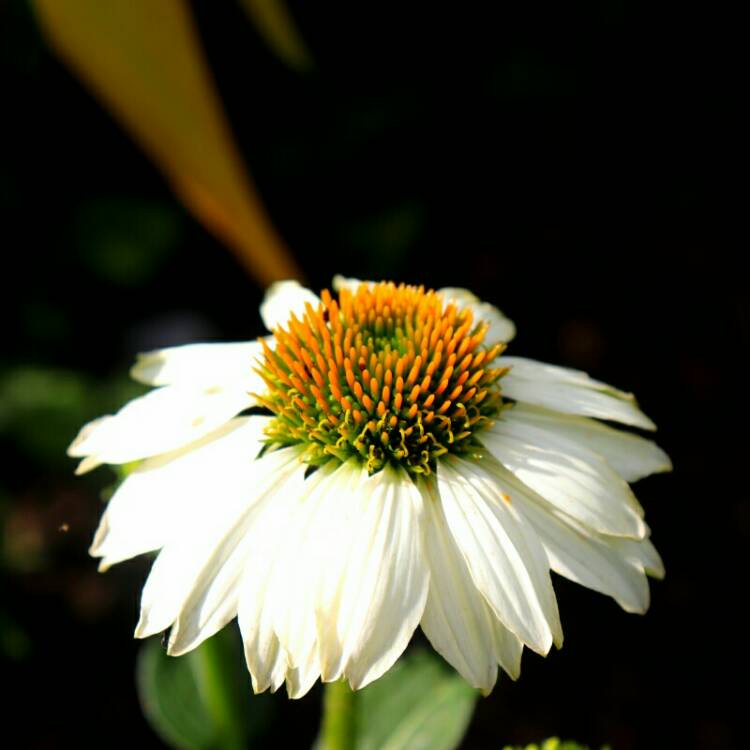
[(15, 644), (553, 743), (202, 700), (125, 240), (42, 408), (419, 704)]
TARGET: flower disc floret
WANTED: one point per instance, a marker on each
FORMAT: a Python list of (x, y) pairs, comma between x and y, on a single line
[(392, 374)]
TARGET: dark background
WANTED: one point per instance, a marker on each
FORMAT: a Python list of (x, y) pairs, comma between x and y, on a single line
[(575, 165)]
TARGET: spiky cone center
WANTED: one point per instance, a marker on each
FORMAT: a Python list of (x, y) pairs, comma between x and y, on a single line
[(386, 373)]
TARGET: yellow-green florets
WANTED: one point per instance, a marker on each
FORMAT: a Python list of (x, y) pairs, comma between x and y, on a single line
[(388, 373)]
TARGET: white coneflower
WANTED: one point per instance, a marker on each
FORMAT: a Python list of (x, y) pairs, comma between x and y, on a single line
[(406, 472)]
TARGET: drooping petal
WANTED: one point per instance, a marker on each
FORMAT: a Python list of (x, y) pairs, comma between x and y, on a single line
[(631, 456), (266, 660), (162, 498), (276, 611), (291, 597), (194, 585), (576, 552), (508, 648), (585, 487), (641, 554), (89, 463), (282, 299), (348, 282), (501, 328), (504, 557), (300, 678), (201, 365), (85, 465), (335, 543), (374, 593), (163, 420), (570, 391), (456, 619)]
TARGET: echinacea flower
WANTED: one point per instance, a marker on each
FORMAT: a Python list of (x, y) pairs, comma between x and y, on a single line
[(396, 470)]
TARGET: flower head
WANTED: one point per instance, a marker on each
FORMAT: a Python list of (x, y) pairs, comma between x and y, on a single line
[(402, 472)]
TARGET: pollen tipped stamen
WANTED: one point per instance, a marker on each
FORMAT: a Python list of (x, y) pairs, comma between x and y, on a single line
[(389, 373)]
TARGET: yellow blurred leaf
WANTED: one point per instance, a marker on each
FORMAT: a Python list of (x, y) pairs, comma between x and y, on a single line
[(145, 61), (276, 25)]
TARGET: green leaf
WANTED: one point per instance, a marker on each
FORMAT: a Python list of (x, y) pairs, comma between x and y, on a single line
[(170, 699), (202, 700), (420, 704)]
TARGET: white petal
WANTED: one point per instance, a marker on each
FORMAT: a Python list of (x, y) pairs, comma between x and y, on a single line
[(301, 678), (587, 490), (282, 299), (501, 329), (456, 619), (201, 365), (508, 648), (374, 593), (276, 598), (336, 540), (194, 582), (506, 561), (160, 499), (590, 559), (214, 599), (291, 597), (642, 554), (89, 430), (348, 282), (631, 456), (163, 420), (86, 465), (266, 660), (569, 391)]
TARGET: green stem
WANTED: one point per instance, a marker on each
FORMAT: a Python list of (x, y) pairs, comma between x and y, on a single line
[(339, 717), (211, 665)]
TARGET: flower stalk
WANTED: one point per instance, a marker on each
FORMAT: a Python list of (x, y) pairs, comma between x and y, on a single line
[(339, 716), (211, 667)]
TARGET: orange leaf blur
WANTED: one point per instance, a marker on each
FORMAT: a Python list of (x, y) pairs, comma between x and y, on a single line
[(144, 60), (276, 25)]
